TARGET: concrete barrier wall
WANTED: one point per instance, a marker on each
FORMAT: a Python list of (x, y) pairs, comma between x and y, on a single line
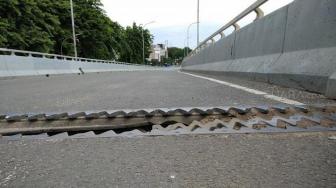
[(263, 37), (294, 46), (13, 65)]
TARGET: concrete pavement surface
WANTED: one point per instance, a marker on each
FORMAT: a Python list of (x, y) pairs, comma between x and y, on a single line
[(236, 160), (134, 90)]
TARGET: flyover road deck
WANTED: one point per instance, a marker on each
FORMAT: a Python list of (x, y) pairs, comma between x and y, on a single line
[(214, 160), (135, 90), (257, 160)]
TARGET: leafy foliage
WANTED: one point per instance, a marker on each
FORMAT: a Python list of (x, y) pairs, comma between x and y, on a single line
[(45, 26), (134, 53), (176, 55)]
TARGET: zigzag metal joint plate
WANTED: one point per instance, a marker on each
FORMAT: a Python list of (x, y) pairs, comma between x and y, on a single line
[(169, 121)]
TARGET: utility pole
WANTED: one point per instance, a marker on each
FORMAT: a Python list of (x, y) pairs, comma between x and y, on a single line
[(73, 29), (198, 21)]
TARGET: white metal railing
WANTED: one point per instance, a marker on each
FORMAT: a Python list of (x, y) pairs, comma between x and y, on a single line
[(255, 7), (60, 57)]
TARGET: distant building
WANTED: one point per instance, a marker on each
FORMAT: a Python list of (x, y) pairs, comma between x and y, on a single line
[(158, 52)]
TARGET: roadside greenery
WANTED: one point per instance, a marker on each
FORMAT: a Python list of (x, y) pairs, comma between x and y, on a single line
[(176, 55), (45, 26)]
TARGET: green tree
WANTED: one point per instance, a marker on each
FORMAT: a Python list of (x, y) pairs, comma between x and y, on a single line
[(133, 37), (27, 24), (176, 55), (45, 26)]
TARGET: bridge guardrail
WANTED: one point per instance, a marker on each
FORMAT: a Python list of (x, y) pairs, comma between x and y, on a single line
[(255, 7), (57, 56), (28, 63)]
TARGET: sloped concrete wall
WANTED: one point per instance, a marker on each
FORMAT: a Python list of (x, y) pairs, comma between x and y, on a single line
[(294, 46), (263, 37)]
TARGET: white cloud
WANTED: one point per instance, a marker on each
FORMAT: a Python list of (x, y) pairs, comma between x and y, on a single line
[(173, 16)]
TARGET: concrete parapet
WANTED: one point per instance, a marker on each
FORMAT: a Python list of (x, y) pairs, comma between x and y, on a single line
[(12, 65), (331, 87), (294, 46)]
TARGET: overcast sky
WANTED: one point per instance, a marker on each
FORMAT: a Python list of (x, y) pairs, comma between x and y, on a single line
[(172, 17)]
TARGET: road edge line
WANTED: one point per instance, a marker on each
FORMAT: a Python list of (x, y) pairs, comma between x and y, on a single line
[(249, 90)]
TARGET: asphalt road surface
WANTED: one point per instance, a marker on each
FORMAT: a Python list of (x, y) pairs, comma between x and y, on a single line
[(134, 90), (257, 160), (217, 160)]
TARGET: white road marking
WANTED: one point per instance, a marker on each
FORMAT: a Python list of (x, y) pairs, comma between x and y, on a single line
[(332, 138), (249, 90)]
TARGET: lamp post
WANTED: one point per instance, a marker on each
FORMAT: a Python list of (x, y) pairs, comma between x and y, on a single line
[(198, 21), (65, 40), (73, 28), (62, 45), (184, 49), (143, 40), (188, 33)]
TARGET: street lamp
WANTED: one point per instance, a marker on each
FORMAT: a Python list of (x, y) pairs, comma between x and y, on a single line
[(143, 40), (67, 39), (188, 34), (184, 49), (73, 28), (198, 21)]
